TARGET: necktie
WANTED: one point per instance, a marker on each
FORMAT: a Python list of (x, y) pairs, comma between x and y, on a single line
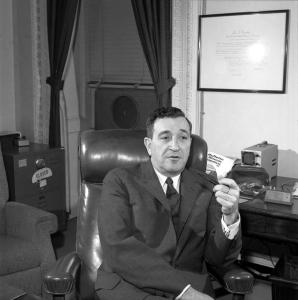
[(173, 197)]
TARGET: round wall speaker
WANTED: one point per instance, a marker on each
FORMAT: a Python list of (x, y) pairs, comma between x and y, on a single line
[(123, 107), (125, 112)]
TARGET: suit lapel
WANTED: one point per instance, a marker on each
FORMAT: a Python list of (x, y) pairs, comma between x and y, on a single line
[(149, 180), (189, 188)]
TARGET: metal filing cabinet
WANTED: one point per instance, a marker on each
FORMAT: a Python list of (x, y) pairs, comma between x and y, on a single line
[(36, 176)]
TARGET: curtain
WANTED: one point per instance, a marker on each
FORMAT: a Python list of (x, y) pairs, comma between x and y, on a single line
[(60, 19), (153, 20)]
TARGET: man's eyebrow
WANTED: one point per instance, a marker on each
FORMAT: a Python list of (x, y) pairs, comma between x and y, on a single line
[(164, 132), (168, 131), (185, 131)]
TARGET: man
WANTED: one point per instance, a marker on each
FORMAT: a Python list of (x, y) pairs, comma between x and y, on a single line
[(154, 248)]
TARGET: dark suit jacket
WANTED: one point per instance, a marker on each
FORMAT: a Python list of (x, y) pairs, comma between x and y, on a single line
[(141, 252)]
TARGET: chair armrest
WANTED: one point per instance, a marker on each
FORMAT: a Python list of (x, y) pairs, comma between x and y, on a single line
[(24, 221), (61, 278), (234, 279)]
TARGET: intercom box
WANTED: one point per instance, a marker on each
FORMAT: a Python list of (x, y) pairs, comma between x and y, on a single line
[(261, 155)]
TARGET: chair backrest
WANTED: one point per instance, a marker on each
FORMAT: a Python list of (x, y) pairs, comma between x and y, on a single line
[(99, 152)]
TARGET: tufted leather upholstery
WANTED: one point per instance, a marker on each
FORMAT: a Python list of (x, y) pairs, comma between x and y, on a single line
[(101, 151)]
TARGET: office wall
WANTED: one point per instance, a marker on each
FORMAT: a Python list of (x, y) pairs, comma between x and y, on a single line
[(233, 121), (7, 96), (16, 98)]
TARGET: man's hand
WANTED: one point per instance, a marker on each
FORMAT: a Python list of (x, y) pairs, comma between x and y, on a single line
[(192, 294), (227, 195)]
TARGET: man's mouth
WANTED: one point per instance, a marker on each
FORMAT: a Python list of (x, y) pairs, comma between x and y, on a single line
[(174, 157)]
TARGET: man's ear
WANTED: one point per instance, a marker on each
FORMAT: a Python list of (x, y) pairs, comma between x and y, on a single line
[(147, 143)]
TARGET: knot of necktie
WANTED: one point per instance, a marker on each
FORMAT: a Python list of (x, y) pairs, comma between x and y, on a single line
[(170, 188)]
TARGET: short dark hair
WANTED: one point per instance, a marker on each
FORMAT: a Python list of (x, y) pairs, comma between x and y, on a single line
[(164, 112)]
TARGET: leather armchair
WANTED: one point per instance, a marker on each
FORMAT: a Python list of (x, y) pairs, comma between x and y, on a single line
[(99, 152), (26, 250)]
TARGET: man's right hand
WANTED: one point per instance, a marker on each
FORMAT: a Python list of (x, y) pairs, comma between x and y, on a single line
[(192, 294)]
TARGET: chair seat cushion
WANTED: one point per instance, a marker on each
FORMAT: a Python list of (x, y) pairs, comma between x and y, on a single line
[(17, 255)]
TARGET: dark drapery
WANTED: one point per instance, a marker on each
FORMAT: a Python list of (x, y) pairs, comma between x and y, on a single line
[(60, 21), (153, 19)]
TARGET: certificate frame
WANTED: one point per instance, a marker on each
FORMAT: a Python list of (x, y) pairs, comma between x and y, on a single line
[(243, 52)]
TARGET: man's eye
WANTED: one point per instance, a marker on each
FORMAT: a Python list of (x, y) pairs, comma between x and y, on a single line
[(164, 137), (184, 137)]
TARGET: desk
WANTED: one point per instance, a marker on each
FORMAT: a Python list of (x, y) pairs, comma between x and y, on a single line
[(275, 222)]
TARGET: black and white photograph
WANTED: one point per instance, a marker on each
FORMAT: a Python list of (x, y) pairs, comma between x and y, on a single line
[(148, 149)]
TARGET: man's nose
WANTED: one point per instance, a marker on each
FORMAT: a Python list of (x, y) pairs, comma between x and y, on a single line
[(174, 144)]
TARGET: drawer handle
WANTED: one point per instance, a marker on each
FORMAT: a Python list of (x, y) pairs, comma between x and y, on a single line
[(40, 163)]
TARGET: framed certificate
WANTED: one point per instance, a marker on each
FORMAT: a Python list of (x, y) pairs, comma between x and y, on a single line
[(243, 52)]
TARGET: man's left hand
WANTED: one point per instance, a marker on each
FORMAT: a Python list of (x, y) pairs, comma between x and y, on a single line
[(227, 195)]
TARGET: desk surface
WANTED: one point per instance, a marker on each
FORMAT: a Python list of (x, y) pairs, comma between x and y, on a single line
[(259, 206), (277, 222)]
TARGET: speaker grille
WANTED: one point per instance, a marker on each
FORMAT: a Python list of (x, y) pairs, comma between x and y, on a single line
[(124, 108), (125, 112)]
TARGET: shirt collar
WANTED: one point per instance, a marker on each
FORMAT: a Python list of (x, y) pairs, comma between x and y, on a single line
[(162, 179)]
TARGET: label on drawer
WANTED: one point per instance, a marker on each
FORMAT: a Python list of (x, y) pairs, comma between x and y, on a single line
[(22, 163), (42, 183), (41, 174)]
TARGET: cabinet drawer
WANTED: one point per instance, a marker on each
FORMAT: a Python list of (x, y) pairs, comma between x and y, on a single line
[(24, 168), (273, 228), (36, 177), (51, 200)]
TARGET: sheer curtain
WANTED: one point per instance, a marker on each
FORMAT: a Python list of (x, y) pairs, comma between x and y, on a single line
[(40, 68), (185, 60)]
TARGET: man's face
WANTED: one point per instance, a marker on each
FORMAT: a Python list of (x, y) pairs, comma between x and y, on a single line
[(170, 145)]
